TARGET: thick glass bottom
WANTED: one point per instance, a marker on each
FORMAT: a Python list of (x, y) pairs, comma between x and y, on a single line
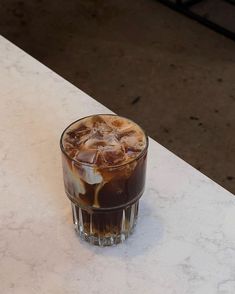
[(105, 228)]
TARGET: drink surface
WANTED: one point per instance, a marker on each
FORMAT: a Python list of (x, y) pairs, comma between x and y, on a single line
[(104, 141)]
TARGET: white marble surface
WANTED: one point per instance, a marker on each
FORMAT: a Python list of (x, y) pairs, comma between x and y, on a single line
[(185, 238)]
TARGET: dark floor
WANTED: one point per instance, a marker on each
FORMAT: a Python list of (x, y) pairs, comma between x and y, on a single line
[(170, 74)]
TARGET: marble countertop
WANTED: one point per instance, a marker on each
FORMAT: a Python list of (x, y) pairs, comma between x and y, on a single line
[(185, 238)]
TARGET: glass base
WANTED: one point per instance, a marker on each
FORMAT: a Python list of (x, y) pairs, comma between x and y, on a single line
[(105, 228)]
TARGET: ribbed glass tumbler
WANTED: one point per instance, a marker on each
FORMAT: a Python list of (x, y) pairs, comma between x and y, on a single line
[(104, 199)]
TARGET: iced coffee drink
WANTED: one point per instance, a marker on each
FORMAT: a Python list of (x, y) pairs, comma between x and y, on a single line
[(104, 164)]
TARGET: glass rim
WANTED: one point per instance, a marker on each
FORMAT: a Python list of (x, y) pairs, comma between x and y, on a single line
[(142, 153)]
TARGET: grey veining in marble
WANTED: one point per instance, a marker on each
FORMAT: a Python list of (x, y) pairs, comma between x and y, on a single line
[(185, 238)]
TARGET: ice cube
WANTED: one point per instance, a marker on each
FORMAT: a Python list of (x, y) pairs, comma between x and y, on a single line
[(129, 141), (78, 131), (114, 122), (125, 133), (103, 129), (87, 156), (121, 125), (112, 154), (97, 119), (70, 151), (111, 140), (94, 143)]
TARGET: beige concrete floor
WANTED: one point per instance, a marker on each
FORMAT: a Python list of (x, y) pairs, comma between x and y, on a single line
[(170, 74)]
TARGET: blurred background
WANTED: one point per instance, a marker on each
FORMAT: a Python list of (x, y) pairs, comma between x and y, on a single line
[(143, 60)]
